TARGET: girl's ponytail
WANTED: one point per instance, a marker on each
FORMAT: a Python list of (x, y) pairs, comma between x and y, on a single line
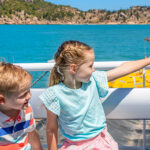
[(55, 77)]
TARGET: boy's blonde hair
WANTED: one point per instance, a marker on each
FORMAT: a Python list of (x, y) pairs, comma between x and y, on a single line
[(70, 52), (12, 78)]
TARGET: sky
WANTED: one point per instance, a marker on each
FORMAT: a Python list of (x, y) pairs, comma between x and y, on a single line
[(101, 4)]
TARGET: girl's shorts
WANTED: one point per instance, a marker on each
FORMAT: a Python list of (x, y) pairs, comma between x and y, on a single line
[(102, 141)]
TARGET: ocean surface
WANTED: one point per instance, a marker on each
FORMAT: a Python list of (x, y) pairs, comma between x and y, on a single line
[(38, 43)]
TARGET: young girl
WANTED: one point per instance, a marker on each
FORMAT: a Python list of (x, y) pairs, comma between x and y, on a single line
[(73, 98)]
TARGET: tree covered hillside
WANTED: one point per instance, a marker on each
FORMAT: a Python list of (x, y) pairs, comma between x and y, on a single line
[(42, 12), (38, 8)]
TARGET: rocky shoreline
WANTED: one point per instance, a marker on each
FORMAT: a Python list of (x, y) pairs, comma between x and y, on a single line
[(35, 21)]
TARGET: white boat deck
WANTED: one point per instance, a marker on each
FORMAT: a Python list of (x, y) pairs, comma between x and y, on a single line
[(120, 103)]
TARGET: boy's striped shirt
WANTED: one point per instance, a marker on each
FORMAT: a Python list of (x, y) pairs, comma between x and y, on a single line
[(14, 136)]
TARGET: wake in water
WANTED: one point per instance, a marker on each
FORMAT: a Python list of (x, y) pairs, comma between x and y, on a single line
[(51, 61)]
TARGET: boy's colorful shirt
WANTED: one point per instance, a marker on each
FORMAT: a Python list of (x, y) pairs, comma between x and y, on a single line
[(14, 136), (80, 112)]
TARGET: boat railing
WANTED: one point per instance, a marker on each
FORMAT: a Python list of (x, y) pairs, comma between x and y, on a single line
[(121, 103)]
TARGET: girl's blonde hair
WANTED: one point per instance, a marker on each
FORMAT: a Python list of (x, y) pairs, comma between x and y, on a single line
[(70, 52), (12, 78)]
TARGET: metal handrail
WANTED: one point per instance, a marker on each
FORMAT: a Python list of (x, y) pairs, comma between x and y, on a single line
[(105, 65)]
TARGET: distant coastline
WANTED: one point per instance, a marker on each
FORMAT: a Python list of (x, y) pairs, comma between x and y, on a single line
[(42, 12), (35, 21)]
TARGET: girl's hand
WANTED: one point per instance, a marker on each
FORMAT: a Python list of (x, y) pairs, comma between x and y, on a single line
[(34, 140)]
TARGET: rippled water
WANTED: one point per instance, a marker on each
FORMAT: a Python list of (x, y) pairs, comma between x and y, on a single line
[(38, 43)]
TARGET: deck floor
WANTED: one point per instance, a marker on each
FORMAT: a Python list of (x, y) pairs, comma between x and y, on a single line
[(125, 132)]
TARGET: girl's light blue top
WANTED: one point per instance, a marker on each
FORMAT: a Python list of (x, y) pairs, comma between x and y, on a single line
[(80, 112)]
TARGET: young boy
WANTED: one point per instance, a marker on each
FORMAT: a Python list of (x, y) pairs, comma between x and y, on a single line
[(17, 125)]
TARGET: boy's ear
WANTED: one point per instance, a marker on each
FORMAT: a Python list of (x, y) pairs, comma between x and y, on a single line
[(73, 68), (2, 99)]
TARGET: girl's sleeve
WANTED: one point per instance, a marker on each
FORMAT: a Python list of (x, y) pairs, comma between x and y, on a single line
[(101, 80), (50, 101)]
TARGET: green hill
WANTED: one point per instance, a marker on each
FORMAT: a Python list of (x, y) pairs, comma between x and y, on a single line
[(38, 8), (42, 12)]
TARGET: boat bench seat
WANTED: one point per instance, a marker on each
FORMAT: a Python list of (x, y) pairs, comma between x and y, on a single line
[(120, 103)]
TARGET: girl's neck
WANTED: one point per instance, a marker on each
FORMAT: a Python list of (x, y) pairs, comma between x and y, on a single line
[(72, 84)]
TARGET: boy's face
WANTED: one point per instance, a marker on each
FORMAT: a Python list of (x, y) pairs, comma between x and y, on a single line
[(19, 100)]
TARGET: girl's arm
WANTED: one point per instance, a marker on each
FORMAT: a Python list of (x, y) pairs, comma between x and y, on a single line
[(51, 130), (126, 68), (34, 140)]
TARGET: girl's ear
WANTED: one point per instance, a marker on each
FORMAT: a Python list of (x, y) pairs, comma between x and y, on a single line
[(2, 99), (73, 68)]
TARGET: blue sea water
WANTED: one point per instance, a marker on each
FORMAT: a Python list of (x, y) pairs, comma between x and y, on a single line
[(38, 43)]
